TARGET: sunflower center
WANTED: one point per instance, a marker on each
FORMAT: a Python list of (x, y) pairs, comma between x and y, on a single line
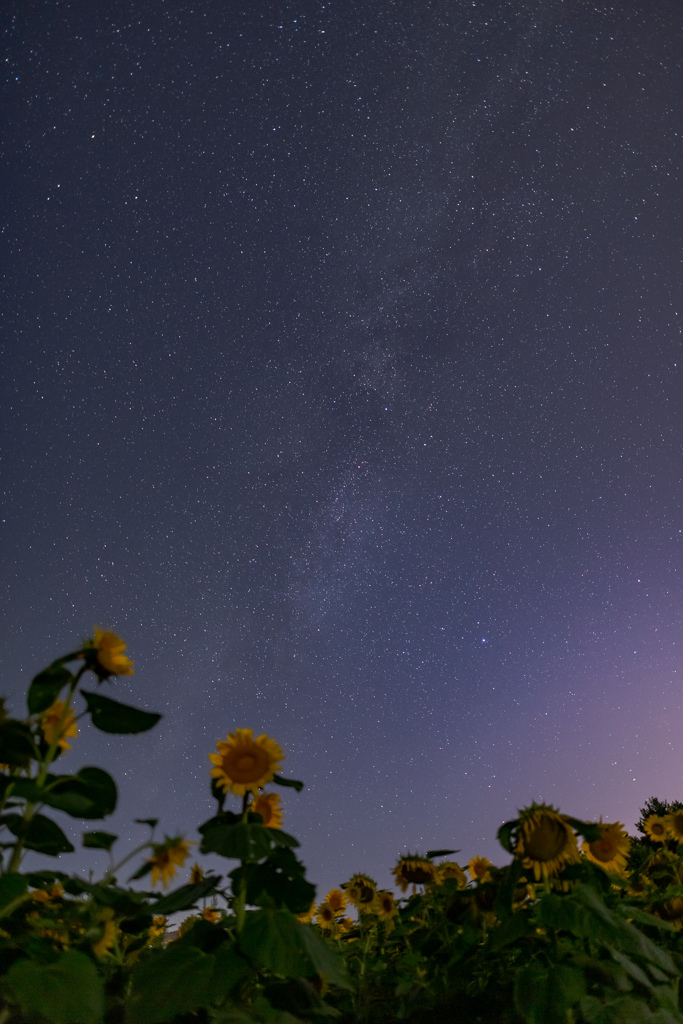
[(604, 849), (246, 765), (658, 829), (547, 840)]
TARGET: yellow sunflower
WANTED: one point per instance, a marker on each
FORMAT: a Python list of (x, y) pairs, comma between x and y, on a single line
[(384, 905), (610, 851), (245, 764), (337, 900), (211, 914), (157, 927), (268, 806), (110, 648), (415, 871), (58, 722), (360, 891), (308, 916), (108, 933), (167, 858), (674, 824), (480, 869), (671, 911), (545, 841), (656, 828), (325, 916), (196, 874), (449, 869)]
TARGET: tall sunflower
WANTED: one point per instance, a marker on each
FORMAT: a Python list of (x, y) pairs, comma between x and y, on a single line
[(337, 900), (110, 648), (245, 764), (545, 841), (326, 916), (415, 871), (268, 805), (656, 828), (610, 851)]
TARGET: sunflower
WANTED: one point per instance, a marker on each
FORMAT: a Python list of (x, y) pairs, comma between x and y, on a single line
[(674, 824), (157, 927), (243, 763), (384, 905), (196, 874), (671, 911), (656, 828), (308, 916), (360, 891), (415, 871), (325, 916), (610, 851), (545, 841), (108, 933), (480, 869), (345, 925), (337, 900), (268, 806), (449, 869), (110, 648), (211, 914), (167, 858), (57, 721)]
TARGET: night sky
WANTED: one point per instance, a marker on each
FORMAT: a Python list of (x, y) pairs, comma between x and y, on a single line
[(342, 376)]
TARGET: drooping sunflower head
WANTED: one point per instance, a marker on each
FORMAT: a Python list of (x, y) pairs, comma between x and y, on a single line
[(545, 841), (337, 900), (325, 916), (268, 805), (244, 764), (656, 828), (196, 874), (59, 722), (610, 851), (110, 656), (360, 891), (167, 858), (674, 824), (449, 869), (415, 871), (480, 869)]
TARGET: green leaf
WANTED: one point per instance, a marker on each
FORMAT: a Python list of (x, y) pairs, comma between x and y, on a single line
[(277, 942), (42, 834), (280, 780), (440, 853), (281, 879), (91, 793), (112, 716), (545, 994), (241, 840), (168, 984), (515, 927), (152, 822), (505, 834), (46, 687), (68, 991), (16, 743), (230, 968), (185, 897), (12, 887), (125, 902), (99, 840)]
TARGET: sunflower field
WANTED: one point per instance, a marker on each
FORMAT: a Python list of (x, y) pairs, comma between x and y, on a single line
[(584, 924)]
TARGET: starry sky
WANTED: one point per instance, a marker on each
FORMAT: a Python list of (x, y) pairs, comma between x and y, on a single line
[(342, 377)]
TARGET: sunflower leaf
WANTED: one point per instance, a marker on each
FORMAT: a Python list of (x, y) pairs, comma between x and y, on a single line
[(280, 780), (240, 840), (68, 991), (281, 880), (440, 853), (111, 716), (277, 942), (505, 834), (40, 834), (185, 897), (12, 887), (46, 687), (99, 840)]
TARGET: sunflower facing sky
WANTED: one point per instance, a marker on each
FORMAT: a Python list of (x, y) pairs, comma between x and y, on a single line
[(244, 764), (610, 851), (545, 841)]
